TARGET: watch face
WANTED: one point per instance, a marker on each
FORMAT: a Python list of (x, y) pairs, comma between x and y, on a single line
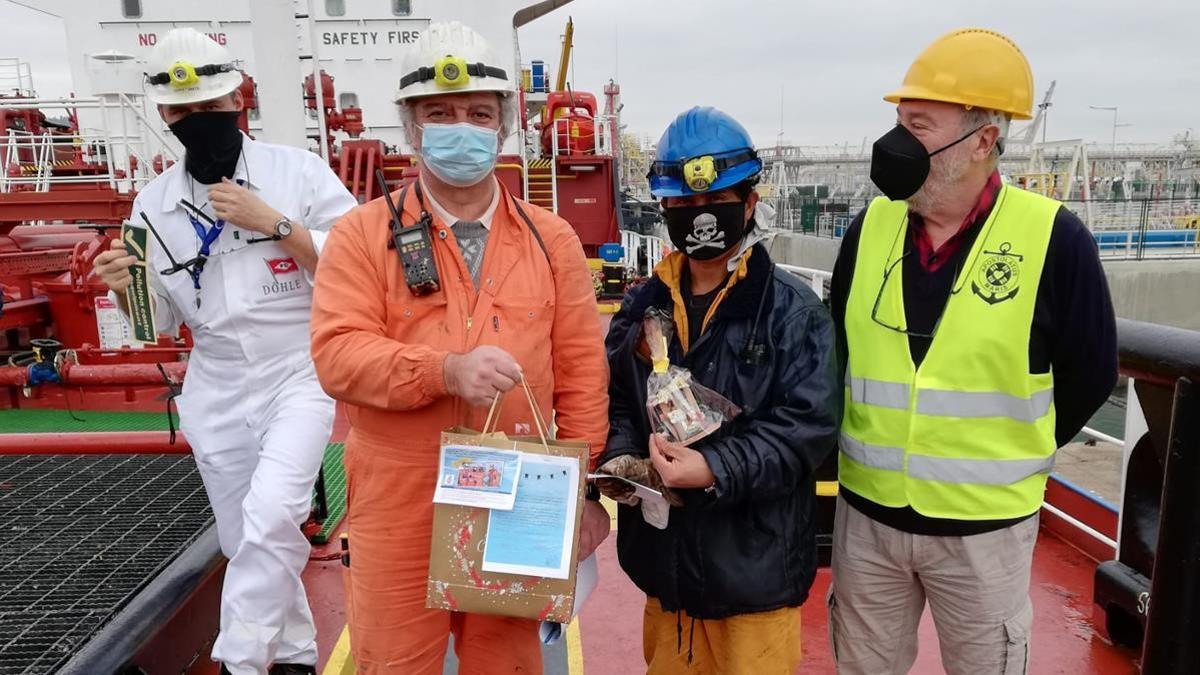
[(283, 228)]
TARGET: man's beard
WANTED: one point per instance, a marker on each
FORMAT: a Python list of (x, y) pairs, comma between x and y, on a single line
[(945, 172)]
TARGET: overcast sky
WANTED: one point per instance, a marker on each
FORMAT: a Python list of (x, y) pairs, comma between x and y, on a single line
[(832, 60)]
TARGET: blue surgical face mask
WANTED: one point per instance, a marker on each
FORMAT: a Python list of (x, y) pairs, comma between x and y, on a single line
[(460, 154)]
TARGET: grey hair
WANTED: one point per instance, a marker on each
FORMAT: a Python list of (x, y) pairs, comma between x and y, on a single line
[(974, 118), (508, 117)]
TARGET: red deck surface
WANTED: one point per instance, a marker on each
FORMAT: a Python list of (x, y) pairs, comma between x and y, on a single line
[(1064, 640)]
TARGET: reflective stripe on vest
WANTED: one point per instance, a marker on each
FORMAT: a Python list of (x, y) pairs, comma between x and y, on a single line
[(970, 433), (984, 404), (875, 456), (878, 392), (948, 470), (977, 471), (949, 403)]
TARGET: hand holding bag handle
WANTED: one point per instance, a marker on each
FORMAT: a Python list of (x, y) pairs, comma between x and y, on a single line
[(539, 421)]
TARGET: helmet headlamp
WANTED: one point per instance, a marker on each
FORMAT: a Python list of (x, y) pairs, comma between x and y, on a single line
[(699, 173)]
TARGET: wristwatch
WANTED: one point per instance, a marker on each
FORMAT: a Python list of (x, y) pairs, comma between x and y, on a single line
[(592, 492), (283, 228)]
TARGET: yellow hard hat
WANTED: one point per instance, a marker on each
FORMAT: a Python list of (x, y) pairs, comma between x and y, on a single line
[(973, 67)]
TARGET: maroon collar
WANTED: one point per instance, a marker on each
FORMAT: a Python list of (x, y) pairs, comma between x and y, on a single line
[(932, 260)]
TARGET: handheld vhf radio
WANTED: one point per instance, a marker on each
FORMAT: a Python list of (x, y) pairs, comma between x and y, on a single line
[(413, 244)]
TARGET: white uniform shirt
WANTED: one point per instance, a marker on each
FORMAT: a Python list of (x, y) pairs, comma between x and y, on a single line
[(255, 300)]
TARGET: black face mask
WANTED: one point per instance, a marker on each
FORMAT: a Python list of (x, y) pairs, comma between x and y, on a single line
[(900, 163), (213, 143), (706, 232)]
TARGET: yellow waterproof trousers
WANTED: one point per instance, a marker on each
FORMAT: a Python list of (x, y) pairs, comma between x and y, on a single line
[(765, 643)]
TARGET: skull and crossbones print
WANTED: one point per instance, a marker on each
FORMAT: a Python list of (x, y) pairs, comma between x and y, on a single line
[(705, 234)]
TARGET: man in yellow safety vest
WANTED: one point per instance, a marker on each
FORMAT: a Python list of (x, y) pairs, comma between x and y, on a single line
[(978, 336)]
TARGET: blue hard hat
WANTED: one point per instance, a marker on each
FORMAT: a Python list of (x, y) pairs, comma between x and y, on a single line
[(703, 150)]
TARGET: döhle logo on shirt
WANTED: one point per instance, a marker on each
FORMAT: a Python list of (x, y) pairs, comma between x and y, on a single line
[(282, 271)]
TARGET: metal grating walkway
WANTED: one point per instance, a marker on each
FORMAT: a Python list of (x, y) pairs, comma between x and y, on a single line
[(79, 536), (53, 421)]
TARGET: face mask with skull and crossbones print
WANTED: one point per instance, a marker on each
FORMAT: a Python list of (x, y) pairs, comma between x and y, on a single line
[(705, 232)]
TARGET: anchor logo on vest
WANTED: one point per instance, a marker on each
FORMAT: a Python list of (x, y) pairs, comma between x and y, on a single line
[(999, 275)]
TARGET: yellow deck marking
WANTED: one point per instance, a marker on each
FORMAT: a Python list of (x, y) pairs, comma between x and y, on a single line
[(574, 648), (339, 662), (827, 488)]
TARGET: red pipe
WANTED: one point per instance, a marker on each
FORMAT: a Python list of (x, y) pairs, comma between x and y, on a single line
[(94, 443), (369, 179), (124, 375), (343, 165), (91, 351), (358, 169)]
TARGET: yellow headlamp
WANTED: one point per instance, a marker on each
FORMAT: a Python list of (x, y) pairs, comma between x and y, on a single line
[(450, 72), (699, 173), (183, 75)]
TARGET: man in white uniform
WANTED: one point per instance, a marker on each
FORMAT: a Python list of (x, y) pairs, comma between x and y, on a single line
[(256, 216)]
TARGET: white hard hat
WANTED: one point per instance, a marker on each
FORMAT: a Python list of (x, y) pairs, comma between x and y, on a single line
[(450, 58), (187, 66)]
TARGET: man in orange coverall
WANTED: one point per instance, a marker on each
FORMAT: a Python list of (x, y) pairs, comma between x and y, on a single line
[(515, 299)]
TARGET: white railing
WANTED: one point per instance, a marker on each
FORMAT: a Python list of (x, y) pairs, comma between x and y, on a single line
[(523, 137), (605, 142), (15, 77), (30, 159), (554, 150), (816, 279), (124, 147), (633, 244), (601, 139), (1159, 244), (1101, 436), (1157, 213)]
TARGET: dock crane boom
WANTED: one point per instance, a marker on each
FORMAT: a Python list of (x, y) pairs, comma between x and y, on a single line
[(564, 59)]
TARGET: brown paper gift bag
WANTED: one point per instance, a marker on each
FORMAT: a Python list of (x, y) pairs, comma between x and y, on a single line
[(457, 581)]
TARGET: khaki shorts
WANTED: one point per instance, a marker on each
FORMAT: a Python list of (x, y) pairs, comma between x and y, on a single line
[(977, 588)]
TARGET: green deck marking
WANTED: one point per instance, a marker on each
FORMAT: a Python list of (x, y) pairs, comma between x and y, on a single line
[(335, 491), (34, 421)]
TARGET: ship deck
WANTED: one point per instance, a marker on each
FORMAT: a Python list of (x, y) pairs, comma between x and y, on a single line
[(606, 637)]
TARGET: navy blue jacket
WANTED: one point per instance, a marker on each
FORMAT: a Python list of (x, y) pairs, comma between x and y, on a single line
[(748, 546)]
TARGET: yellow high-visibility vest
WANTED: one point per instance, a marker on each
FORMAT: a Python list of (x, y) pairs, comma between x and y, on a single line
[(969, 435)]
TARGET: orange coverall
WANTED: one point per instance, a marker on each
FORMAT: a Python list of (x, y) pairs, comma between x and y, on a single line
[(379, 349)]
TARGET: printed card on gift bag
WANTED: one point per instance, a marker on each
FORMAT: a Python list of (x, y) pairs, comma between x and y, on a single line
[(506, 522)]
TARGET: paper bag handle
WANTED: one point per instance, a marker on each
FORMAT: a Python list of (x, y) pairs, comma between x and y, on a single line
[(538, 420)]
